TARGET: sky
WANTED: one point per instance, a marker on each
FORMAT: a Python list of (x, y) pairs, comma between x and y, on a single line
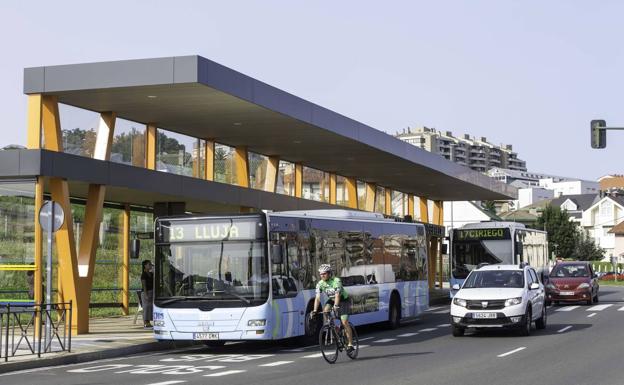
[(527, 73)]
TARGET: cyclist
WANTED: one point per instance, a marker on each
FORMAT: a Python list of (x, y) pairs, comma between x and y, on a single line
[(338, 299)]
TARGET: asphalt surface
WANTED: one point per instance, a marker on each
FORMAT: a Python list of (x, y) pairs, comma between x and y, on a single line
[(581, 345)]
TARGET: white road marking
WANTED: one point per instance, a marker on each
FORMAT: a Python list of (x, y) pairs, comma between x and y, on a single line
[(384, 340), (591, 315), (512, 352), (366, 338), (407, 335), (446, 311), (167, 383), (292, 350), (226, 373), (444, 325), (568, 308), (427, 330), (564, 329), (363, 346), (277, 363), (621, 309), (600, 307), (313, 355), (434, 308)]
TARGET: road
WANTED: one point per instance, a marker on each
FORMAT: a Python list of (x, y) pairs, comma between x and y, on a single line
[(581, 345)]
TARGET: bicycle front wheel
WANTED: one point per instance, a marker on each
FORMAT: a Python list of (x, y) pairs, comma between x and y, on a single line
[(328, 341), (356, 345)]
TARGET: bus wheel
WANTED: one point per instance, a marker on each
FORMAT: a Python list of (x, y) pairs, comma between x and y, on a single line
[(394, 316)]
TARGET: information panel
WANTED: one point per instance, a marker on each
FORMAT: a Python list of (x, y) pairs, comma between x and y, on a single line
[(481, 234), (210, 230)]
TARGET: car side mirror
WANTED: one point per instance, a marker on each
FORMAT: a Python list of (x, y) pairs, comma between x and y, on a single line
[(534, 286), (276, 254), (455, 287)]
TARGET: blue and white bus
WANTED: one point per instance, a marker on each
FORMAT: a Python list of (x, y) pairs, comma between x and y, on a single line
[(252, 276), (496, 242)]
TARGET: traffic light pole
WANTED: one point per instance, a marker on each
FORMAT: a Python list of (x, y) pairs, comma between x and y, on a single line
[(598, 130)]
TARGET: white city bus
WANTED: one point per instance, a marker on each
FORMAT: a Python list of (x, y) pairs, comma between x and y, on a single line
[(252, 277), (496, 242)]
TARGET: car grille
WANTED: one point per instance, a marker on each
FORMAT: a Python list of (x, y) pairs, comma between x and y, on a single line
[(492, 304)]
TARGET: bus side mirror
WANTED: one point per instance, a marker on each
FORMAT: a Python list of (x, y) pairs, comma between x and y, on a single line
[(276, 254), (455, 287), (135, 248)]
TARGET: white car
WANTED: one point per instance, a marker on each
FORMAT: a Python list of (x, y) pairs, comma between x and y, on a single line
[(499, 296)]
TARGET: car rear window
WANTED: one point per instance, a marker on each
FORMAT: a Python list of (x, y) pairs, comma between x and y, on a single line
[(570, 271), (494, 278)]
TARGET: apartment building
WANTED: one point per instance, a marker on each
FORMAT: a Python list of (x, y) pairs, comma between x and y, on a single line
[(477, 154)]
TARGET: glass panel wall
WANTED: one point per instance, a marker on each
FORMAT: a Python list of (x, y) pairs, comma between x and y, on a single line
[(78, 129), (315, 184), (224, 164), (361, 195), (380, 200), (342, 194), (258, 166), (399, 204), (286, 178), (176, 153), (128, 143)]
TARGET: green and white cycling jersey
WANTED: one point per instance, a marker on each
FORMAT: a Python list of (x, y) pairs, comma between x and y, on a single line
[(330, 287)]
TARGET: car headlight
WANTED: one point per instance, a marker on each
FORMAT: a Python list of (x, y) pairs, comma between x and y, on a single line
[(513, 301), (551, 286), (256, 322), (583, 285), (459, 302)]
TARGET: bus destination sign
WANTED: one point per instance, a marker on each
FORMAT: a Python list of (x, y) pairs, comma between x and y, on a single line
[(481, 234), (212, 230)]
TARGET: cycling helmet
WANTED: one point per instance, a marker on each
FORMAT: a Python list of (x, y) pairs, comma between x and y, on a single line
[(325, 268)]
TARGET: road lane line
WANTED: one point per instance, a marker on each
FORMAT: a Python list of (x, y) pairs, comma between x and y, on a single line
[(434, 308), (446, 311), (427, 330), (407, 335), (564, 329), (444, 325), (167, 383), (313, 355), (591, 315), (621, 309), (382, 341), (277, 363), (298, 350), (568, 308), (600, 307), (366, 338), (511, 352), (226, 373)]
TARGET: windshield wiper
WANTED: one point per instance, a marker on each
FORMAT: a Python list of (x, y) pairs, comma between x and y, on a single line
[(229, 291), (180, 298)]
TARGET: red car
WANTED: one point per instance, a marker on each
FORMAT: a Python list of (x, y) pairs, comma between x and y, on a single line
[(572, 282)]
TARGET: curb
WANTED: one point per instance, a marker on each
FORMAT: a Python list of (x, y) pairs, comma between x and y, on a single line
[(76, 358)]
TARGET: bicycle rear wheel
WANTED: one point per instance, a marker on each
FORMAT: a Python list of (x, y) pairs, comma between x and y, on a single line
[(356, 345), (328, 341)]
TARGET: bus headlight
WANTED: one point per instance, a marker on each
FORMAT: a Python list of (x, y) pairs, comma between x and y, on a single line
[(256, 322), (459, 302)]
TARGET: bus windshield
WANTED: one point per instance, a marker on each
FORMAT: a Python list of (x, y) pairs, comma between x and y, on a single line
[(226, 270), (469, 254)]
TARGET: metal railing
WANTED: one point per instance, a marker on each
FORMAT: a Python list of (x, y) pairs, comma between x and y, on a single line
[(29, 329)]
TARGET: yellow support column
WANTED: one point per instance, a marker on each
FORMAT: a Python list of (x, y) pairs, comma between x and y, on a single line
[(388, 201), (34, 122), (371, 190), (298, 180), (125, 265), (50, 118), (424, 210), (332, 188), (438, 219), (351, 189), (242, 166), (150, 146), (410, 205), (209, 165), (270, 179)]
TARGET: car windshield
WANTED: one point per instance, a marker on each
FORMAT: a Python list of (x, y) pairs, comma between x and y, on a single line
[(570, 271), (494, 278)]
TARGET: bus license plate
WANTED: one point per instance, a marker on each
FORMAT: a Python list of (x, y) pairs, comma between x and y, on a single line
[(205, 336), (567, 293), (484, 315)]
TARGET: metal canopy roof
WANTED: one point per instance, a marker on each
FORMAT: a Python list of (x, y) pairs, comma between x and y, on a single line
[(198, 97)]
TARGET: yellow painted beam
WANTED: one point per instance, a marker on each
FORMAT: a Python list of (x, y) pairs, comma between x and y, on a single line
[(438, 212), (388, 201), (351, 190), (242, 166), (410, 205), (125, 264), (209, 165), (52, 136), (150, 146), (371, 190), (424, 210), (104, 138), (33, 140), (270, 179), (332, 188), (298, 180)]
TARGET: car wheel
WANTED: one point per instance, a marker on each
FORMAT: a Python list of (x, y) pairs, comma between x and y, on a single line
[(526, 327), (458, 331), (541, 322)]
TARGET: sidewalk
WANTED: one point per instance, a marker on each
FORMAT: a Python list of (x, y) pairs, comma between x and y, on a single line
[(109, 337)]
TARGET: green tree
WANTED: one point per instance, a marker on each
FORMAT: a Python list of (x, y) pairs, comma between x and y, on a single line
[(561, 232), (586, 249), (489, 206)]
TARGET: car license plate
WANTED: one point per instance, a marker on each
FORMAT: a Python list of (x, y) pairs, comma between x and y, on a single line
[(205, 336), (484, 315), (567, 293)]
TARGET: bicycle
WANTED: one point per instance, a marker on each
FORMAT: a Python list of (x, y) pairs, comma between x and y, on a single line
[(333, 339)]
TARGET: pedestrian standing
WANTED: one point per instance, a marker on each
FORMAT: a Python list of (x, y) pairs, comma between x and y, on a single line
[(147, 296)]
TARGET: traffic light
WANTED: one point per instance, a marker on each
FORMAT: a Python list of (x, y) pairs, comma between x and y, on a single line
[(598, 134)]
